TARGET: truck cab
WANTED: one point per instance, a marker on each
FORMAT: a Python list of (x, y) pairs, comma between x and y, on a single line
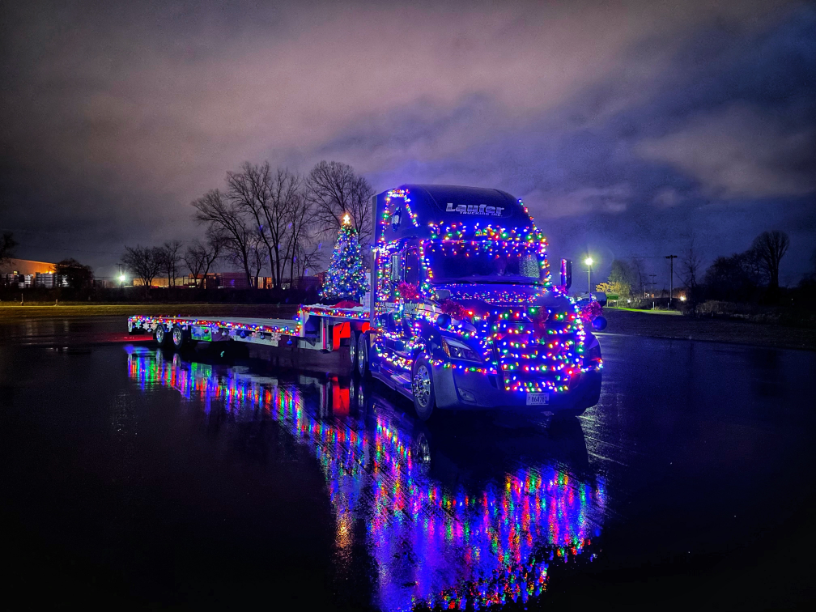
[(464, 313)]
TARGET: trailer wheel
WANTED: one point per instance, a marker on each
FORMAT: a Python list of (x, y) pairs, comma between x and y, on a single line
[(353, 352), (422, 388), (362, 354), (179, 337), (161, 335)]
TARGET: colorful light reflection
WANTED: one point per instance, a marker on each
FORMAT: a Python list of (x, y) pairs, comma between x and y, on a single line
[(433, 545)]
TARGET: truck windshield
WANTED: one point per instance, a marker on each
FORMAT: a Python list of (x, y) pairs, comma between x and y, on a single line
[(487, 261)]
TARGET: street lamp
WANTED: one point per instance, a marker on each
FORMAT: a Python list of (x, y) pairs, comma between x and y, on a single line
[(588, 262), (122, 279)]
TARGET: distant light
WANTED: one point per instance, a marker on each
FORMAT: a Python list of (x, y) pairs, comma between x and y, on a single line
[(682, 298), (588, 261), (121, 278), (628, 301)]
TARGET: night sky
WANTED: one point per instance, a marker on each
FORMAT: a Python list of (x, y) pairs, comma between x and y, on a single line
[(626, 127)]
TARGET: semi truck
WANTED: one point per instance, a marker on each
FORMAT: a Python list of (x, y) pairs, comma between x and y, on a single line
[(463, 312)]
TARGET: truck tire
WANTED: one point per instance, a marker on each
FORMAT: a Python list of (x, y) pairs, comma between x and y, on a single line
[(161, 335), (353, 350), (422, 388), (179, 337), (362, 355)]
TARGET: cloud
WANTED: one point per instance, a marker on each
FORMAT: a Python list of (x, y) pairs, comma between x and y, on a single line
[(579, 202), (740, 152), (116, 116), (667, 198)]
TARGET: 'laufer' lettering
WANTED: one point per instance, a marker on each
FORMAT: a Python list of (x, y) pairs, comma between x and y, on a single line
[(472, 209)]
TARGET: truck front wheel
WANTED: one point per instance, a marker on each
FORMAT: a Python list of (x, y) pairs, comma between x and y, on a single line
[(422, 388)]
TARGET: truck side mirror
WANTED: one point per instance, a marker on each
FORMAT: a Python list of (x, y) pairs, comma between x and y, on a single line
[(566, 274)]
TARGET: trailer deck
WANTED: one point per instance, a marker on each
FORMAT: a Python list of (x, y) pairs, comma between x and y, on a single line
[(315, 327)]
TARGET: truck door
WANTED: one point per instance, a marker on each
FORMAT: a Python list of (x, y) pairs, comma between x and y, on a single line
[(400, 321), (412, 275), (411, 270)]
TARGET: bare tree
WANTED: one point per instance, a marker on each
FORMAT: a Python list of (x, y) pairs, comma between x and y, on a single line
[(248, 190), (691, 268), (300, 247), (258, 257), (290, 212), (270, 197), (226, 220), (334, 190), (170, 257), (78, 275), (770, 248), (199, 258), (7, 244), (143, 262), (638, 275)]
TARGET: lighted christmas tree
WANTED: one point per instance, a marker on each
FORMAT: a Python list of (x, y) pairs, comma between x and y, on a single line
[(346, 278)]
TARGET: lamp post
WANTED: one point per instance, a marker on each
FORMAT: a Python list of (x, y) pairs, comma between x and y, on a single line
[(588, 262)]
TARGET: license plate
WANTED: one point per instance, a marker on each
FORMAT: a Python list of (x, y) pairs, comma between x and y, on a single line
[(538, 399)]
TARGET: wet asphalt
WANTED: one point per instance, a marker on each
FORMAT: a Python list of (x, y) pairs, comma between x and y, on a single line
[(134, 477)]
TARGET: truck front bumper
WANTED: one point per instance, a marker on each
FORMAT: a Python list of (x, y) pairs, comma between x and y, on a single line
[(455, 389)]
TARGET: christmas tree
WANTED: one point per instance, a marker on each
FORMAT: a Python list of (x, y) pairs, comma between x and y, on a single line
[(345, 279)]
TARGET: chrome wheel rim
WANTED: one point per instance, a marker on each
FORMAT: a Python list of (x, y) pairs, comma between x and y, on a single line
[(177, 336), (353, 351), (361, 355), (422, 386), (160, 334)]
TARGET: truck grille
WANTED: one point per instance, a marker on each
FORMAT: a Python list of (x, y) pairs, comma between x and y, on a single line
[(536, 353)]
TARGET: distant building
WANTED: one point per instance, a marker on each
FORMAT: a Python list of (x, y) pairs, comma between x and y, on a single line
[(26, 267), (234, 280), (26, 273)]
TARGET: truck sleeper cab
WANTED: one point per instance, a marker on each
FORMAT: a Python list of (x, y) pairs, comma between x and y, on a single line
[(464, 313)]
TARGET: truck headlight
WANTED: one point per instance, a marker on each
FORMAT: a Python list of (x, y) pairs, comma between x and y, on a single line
[(456, 350)]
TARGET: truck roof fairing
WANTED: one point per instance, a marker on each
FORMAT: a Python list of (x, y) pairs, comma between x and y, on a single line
[(407, 211)]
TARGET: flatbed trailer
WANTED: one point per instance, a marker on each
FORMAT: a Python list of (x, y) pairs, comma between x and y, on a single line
[(315, 327), (462, 310)]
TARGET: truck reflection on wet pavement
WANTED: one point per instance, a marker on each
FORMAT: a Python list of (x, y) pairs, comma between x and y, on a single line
[(135, 477), (434, 536)]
